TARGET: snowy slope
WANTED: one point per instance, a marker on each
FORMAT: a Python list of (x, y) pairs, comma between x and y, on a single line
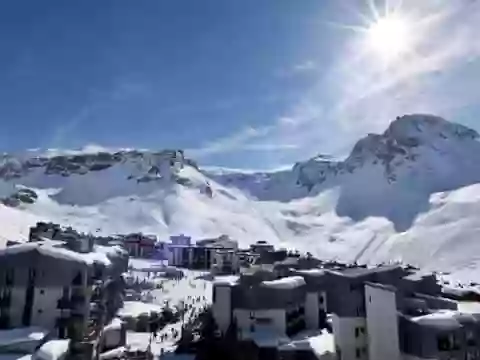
[(411, 194)]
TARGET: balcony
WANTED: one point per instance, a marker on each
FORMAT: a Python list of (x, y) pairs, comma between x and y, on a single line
[(64, 304)]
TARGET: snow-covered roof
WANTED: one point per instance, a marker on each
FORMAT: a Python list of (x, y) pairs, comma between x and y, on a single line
[(289, 282), (53, 349), (57, 252), (470, 307), (312, 272), (321, 343), (110, 250), (19, 335), (443, 319), (226, 280), (115, 324)]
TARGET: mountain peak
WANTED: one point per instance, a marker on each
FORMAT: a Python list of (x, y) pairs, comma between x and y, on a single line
[(424, 128)]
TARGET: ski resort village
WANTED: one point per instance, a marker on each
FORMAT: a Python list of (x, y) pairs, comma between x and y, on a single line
[(129, 254), (68, 295)]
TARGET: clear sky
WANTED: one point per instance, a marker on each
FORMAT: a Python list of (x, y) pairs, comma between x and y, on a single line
[(246, 84)]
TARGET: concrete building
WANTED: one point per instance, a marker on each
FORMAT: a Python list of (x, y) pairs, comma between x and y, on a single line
[(225, 262), (261, 246), (204, 254), (140, 245), (48, 285), (176, 249), (386, 312), (258, 302)]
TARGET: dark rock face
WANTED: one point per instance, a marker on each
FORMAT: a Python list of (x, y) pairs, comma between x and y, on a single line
[(399, 144), (80, 164), (24, 195)]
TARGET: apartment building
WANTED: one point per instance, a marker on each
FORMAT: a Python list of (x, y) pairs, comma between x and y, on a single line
[(218, 253), (385, 312), (45, 284), (259, 302)]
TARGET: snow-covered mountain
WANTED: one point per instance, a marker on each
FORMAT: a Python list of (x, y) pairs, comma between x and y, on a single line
[(411, 194)]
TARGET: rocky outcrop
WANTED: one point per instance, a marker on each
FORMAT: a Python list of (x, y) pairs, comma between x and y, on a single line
[(155, 164), (400, 144), (22, 196)]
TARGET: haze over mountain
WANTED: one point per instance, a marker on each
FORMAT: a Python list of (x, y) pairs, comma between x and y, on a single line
[(411, 193)]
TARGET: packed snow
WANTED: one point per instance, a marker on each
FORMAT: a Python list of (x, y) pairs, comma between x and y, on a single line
[(191, 292)]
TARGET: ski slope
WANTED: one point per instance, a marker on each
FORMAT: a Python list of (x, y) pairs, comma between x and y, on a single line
[(410, 194)]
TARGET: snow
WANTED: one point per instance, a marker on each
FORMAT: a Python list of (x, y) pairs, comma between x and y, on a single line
[(442, 318), (226, 280), (112, 354), (58, 252), (289, 282), (321, 343), (115, 324), (137, 308), (53, 350), (138, 340), (311, 272), (469, 307), (19, 335), (192, 290), (409, 194)]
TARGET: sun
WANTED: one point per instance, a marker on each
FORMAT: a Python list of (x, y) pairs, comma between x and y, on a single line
[(389, 37)]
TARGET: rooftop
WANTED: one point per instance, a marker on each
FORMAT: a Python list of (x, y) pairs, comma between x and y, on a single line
[(381, 286), (363, 271), (57, 252), (228, 280), (289, 282), (446, 319), (321, 343), (311, 272)]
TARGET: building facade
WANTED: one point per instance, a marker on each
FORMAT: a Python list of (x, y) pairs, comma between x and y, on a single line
[(385, 312)]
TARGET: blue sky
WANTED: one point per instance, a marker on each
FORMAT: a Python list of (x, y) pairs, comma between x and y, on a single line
[(249, 84)]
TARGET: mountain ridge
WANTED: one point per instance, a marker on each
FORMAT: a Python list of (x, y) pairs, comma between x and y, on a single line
[(414, 189)]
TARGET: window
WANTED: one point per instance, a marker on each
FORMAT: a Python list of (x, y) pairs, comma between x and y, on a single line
[(471, 339), (42, 292), (443, 343), (214, 295), (9, 277), (358, 353), (357, 332), (320, 299)]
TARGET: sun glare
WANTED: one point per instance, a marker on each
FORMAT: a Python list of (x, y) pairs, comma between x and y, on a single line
[(389, 37)]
